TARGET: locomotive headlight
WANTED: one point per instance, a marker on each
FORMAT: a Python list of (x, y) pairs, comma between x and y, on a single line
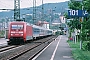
[(21, 34), (11, 34)]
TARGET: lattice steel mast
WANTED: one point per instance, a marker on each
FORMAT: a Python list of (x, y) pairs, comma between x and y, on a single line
[(16, 10), (34, 11)]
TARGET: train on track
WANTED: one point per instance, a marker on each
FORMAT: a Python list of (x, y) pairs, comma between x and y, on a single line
[(21, 32)]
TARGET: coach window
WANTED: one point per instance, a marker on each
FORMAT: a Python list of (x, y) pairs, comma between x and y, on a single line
[(35, 30)]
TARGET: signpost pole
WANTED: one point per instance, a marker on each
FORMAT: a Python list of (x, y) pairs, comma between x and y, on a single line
[(81, 24), (81, 30)]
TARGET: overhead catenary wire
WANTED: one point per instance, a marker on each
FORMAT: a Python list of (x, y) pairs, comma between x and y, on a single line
[(6, 5), (31, 2), (28, 3)]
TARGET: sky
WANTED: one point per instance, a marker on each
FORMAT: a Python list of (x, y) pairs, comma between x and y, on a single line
[(9, 4)]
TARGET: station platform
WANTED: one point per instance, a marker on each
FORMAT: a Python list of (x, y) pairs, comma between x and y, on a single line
[(57, 50), (3, 41)]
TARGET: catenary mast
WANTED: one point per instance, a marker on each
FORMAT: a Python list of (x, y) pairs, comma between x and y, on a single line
[(34, 11), (16, 10)]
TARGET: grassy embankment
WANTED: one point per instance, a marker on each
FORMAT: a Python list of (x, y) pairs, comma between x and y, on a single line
[(77, 53)]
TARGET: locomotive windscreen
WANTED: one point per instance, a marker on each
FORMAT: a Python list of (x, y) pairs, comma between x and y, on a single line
[(17, 26)]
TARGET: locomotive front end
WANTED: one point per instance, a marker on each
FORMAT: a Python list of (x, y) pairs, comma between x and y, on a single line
[(16, 33)]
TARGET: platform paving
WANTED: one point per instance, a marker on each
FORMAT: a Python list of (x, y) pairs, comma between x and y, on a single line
[(57, 50)]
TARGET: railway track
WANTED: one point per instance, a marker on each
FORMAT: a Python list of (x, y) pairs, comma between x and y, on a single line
[(28, 51), (32, 53), (3, 46), (8, 48)]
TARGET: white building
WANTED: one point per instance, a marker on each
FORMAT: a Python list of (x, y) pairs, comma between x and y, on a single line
[(46, 25), (63, 20)]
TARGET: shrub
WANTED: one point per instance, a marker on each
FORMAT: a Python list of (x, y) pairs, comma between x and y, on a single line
[(86, 45)]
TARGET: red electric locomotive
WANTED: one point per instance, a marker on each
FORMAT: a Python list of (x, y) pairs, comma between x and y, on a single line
[(19, 32)]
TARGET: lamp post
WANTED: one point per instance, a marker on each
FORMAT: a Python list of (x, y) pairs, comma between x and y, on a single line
[(51, 17), (50, 22), (5, 26)]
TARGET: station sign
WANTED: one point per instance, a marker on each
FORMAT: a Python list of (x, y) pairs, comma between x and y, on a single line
[(77, 13)]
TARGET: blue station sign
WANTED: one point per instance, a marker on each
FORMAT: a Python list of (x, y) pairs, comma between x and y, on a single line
[(77, 13)]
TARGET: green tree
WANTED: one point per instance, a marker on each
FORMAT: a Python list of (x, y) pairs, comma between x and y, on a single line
[(86, 4), (75, 5)]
